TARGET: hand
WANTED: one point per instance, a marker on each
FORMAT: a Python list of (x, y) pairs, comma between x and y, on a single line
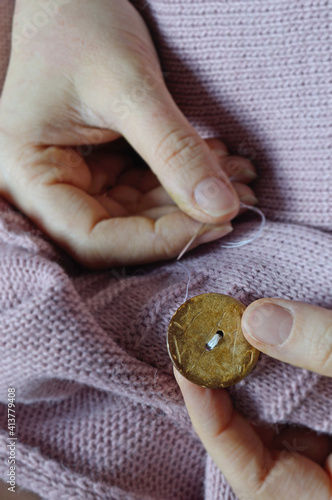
[(254, 460), (74, 89)]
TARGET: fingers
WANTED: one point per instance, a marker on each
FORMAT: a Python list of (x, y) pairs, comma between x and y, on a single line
[(96, 236), (143, 180), (253, 471), (315, 446), (105, 169), (230, 441), (228, 438), (328, 466), (113, 167), (135, 201), (237, 168), (157, 212), (98, 241), (138, 189), (245, 194), (181, 159), (294, 332), (98, 230), (109, 167)]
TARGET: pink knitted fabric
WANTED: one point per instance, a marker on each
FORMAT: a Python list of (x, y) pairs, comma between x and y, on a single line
[(99, 413)]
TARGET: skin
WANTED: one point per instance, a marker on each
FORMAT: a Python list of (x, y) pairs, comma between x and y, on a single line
[(258, 463), (82, 95), (94, 150)]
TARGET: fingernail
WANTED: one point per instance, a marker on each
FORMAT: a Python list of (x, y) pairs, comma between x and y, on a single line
[(214, 197), (249, 173), (221, 152), (249, 199), (269, 323)]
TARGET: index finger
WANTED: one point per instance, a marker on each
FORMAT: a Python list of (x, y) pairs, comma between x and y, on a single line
[(253, 471), (94, 236)]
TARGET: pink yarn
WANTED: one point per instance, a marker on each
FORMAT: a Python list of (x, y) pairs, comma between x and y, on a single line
[(99, 413)]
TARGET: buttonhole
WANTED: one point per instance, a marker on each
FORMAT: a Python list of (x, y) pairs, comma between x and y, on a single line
[(214, 341)]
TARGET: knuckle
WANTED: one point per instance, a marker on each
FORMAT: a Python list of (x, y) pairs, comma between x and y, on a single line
[(327, 363), (41, 166), (233, 166), (178, 149), (164, 246), (217, 146), (268, 477), (36, 176)]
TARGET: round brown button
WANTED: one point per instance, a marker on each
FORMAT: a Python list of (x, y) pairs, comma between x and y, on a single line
[(206, 344)]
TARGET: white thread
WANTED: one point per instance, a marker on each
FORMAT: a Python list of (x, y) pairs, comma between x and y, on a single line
[(213, 342), (189, 276), (192, 239), (234, 244), (230, 244)]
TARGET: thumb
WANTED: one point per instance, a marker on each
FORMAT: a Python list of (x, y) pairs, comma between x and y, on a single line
[(254, 470), (180, 158), (294, 332)]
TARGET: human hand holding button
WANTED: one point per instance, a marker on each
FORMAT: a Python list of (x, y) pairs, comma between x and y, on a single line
[(254, 460), (206, 344), (80, 96)]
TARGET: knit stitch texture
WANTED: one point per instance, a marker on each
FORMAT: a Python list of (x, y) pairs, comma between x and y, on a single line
[(99, 414)]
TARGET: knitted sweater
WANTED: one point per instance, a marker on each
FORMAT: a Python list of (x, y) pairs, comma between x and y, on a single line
[(99, 414)]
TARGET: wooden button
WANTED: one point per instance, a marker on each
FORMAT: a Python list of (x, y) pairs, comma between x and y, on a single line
[(206, 344)]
